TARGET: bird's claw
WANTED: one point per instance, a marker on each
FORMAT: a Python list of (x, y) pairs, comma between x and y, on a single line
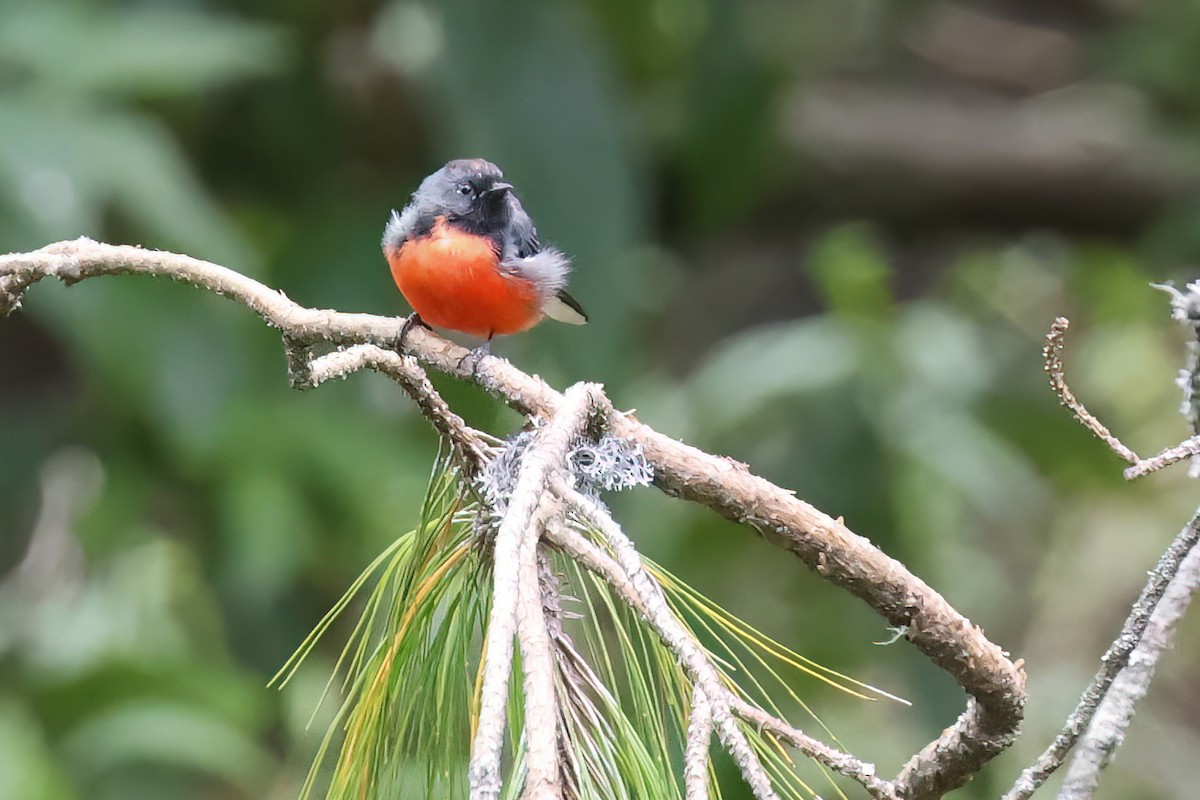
[(411, 322), (470, 362)]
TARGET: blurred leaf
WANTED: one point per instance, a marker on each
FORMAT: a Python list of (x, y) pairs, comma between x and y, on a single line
[(68, 162), (28, 768), (1111, 282), (70, 149), (764, 364), (942, 352), (165, 733), (74, 48), (726, 144), (268, 534), (1160, 51), (852, 272), (128, 607), (139, 166)]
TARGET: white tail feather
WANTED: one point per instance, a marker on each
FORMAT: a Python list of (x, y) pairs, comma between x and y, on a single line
[(555, 308)]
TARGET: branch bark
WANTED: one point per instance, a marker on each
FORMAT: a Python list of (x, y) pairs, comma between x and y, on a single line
[(695, 754), (543, 776)]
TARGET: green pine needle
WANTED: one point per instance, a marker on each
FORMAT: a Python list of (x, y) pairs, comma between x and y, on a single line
[(412, 667)]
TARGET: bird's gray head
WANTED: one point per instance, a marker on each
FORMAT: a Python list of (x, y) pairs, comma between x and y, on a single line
[(471, 191)]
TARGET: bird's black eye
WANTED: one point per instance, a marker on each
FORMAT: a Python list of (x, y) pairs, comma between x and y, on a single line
[(465, 189)]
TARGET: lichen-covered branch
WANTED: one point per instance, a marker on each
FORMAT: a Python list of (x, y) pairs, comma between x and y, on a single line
[(543, 772), (652, 607), (1052, 354), (1185, 309), (834, 759)]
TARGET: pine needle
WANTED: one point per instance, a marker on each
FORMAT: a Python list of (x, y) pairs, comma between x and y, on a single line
[(411, 675)]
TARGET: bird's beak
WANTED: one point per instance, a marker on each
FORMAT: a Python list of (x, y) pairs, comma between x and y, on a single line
[(493, 199)]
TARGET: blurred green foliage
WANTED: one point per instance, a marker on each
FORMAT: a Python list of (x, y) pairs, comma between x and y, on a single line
[(174, 519)]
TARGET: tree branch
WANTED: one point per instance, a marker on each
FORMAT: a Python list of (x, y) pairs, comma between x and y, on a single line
[(1112, 662), (404, 370), (1185, 309), (676, 637), (543, 776), (652, 607), (1099, 695), (834, 759), (826, 545), (524, 520), (1053, 354), (695, 753), (1115, 712)]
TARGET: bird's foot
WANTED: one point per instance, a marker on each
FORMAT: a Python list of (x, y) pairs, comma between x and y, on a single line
[(470, 362), (413, 320)]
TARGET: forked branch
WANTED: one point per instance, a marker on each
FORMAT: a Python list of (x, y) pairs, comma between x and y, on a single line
[(1053, 353)]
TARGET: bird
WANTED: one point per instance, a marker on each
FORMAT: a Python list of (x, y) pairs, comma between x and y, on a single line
[(466, 257)]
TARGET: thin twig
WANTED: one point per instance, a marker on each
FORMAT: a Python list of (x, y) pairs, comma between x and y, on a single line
[(468, 443), (615, 576), (595, 560), (834, 759), (1053, 355), (1185, 309), (1188, 448), (1112, 662), (1097, 747), (1116, 659)]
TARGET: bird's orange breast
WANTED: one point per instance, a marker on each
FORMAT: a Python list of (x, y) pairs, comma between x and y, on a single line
[(452, 279)]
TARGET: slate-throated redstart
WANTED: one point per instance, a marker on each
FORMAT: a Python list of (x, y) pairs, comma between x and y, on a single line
[(466, 257)]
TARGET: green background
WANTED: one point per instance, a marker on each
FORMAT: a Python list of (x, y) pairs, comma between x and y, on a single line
[(825, 238)]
